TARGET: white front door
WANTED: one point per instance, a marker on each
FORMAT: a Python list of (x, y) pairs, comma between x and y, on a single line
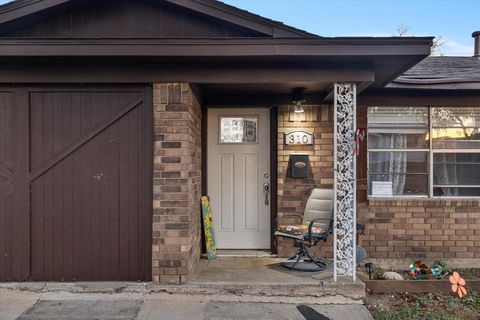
[(239, 177)]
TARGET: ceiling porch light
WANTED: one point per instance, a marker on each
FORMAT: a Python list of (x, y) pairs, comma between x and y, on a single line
[(298, 100)]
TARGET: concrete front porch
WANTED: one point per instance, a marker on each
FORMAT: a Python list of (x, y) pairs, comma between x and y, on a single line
[(254, 271), (265, 277)]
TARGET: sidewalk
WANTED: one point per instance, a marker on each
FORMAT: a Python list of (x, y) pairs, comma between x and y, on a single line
[(56, 305)]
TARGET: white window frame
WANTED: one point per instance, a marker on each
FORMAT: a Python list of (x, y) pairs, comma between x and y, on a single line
[(431, 151)]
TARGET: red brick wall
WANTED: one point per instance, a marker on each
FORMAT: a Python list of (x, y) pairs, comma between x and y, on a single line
[(177, 182), (422, 229), (293, 193)]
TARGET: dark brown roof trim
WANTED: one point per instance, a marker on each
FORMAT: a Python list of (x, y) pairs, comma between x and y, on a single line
[(128, 72), (354, 47), (414, 97), (17, 9)]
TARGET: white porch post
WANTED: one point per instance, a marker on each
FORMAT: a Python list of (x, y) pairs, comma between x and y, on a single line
[(345, 104)]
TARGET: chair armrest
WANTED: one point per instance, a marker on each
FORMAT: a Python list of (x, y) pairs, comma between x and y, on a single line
[(315, 220)]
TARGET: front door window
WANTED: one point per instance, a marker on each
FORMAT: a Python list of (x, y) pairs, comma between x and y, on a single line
[(238, 129)]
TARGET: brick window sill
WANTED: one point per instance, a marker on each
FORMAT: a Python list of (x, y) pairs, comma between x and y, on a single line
[(436, 202)]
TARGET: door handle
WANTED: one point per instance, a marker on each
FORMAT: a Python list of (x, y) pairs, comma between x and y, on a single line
[(266, 191)]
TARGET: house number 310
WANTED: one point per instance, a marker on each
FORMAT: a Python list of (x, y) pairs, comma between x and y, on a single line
[(298, 137)]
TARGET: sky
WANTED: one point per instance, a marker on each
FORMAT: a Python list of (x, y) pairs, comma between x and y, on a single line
[(452, 20)]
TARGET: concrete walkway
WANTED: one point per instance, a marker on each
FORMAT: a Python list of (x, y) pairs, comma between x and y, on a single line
[(21, 305)]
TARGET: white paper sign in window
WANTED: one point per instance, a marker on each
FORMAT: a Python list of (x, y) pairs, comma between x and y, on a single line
[(382, 188), (238, 130)]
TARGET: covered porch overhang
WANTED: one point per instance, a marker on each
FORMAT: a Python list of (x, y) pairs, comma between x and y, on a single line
[(241, 73), (274, 65)]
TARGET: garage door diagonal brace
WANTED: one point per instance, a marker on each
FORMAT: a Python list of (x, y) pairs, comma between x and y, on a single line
[(6, 173), (83, 140)]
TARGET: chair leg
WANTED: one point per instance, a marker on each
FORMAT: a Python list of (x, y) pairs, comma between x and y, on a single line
[(294, 257), (297, 258), (322, 265), (303, 254)]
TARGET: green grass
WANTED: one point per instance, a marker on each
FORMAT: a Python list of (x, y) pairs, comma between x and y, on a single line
[(408, 313), (425, 307)]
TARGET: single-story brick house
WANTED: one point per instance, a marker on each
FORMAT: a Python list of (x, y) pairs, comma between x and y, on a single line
[(116, 116)]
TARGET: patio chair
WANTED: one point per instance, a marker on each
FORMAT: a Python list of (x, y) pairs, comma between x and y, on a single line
[(317, 223)]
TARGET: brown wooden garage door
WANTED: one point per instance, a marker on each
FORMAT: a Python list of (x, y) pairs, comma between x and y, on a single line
[(75, 183)]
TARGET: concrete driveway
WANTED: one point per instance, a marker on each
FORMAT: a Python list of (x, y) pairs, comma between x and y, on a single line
[(81, 306)]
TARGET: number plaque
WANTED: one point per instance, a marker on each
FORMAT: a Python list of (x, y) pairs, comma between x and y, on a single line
[(298, 137)]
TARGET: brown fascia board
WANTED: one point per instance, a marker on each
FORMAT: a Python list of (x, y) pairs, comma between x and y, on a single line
[(248, 47), (100, 72), (419, 97), (18, 9)]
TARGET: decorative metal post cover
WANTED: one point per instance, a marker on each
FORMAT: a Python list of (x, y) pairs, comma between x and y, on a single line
[(344, 179)]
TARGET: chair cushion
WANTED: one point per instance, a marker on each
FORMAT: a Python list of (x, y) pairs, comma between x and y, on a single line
[(299, 229), (290, 236)]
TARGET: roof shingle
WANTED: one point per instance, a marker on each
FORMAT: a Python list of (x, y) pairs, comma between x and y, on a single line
[(441, 70)]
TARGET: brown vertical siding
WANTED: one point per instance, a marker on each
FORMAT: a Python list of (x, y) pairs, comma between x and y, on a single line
[(80, 204), (8, 245), (131, 19)]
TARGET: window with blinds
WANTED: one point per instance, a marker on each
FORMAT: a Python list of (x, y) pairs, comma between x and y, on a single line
[(423, 151)]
